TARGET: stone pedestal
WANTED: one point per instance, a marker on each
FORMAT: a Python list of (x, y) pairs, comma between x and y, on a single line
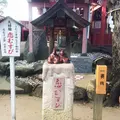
[(58, 86)]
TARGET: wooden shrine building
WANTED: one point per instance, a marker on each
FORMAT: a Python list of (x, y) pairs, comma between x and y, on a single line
[(68, 18), (60, 19)]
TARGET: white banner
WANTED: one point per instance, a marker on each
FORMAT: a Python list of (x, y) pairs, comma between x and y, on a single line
[(10, 37)]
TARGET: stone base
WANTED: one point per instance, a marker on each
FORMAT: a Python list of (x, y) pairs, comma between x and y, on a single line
[(82, 64), (57, 115), (57, 105)]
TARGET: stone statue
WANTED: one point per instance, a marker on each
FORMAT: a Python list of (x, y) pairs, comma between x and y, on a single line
[(55, 58), (63, 57), (61, 40)]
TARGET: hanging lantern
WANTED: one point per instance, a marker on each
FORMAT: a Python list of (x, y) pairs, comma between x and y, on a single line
[(74, 9), (110, 22), (44, 9)]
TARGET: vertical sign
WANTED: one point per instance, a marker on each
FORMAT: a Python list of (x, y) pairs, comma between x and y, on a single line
[(10, 32), (10, 38), (101, 75), (58, 93)]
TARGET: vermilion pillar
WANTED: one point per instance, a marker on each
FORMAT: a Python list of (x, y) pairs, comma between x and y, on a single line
[(103, 22)]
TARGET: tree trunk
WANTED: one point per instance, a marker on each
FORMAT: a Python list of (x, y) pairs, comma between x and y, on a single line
[(115, 84)]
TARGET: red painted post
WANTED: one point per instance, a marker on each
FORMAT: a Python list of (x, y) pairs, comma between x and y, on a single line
[(103, 22)]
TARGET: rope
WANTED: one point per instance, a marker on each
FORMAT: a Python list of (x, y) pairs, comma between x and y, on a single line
[(113, 10)]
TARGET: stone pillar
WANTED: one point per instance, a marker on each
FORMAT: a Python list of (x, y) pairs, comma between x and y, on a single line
[(58, 86)]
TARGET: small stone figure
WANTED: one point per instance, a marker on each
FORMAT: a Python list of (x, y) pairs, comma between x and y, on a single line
[(63, 57), (54, 58)]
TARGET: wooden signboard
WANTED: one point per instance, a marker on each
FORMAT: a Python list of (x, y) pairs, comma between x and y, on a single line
[(10, 37), (58, 93), (101, 75)]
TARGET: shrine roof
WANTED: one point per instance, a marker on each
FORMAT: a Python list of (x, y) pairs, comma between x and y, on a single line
[(68, 1), (61, 6), (38, 0)]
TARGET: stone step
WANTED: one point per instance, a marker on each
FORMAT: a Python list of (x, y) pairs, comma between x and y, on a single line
[(5, 87)]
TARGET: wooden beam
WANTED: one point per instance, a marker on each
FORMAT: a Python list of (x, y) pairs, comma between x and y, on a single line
[(36, 4), (68, 42), (98, 104), (84, 41), (61, 1), (94, 8), (103, 22)]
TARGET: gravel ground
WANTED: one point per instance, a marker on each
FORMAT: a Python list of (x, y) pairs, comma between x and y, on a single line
[(29, 108)]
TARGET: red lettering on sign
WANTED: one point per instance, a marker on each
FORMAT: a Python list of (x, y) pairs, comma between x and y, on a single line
[(10, 51), (10, 43), (58, 93), (57, 105), (10, 46), (10, 35), (58, 84)]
